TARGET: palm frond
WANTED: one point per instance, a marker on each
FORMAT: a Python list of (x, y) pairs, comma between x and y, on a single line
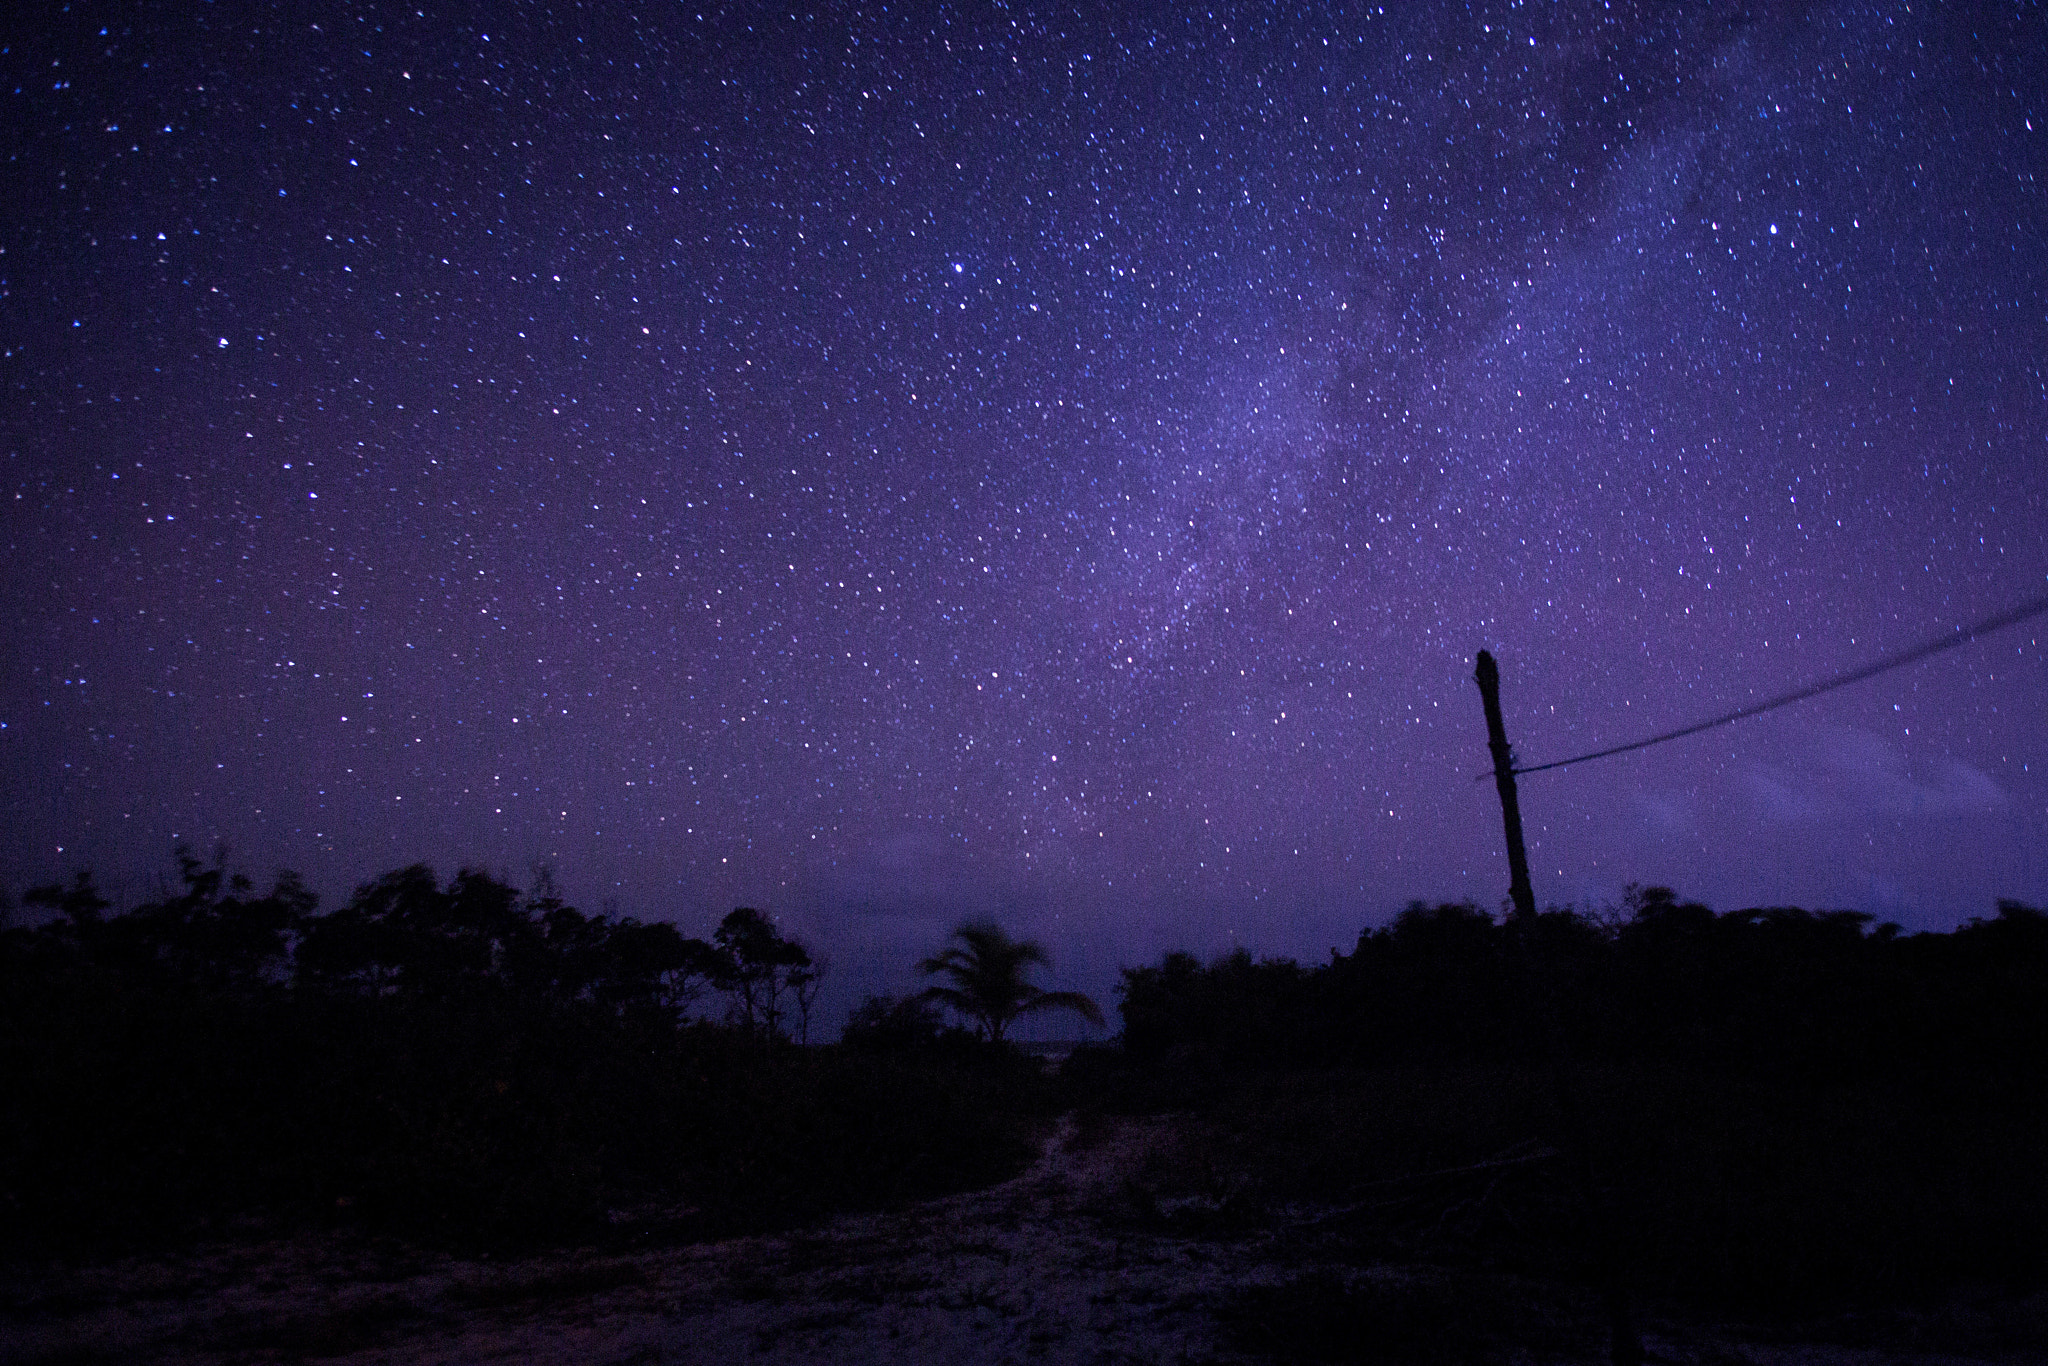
[(947, 996), (987, 971), (1064, 1000), (948, 960)]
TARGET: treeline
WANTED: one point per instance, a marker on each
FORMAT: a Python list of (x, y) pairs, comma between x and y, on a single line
[(1790, 1110), (406, 935), (1780, 989), (455, 1059)]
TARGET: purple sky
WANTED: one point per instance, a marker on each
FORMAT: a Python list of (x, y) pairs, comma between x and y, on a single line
[(885, 469)]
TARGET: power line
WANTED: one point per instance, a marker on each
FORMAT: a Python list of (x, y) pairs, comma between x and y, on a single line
[(1962, 636)]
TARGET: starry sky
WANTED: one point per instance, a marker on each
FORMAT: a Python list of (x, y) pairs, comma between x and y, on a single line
[(886, 466)]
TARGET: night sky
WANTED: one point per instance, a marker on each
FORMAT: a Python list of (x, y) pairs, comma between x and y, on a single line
[(889, 467)]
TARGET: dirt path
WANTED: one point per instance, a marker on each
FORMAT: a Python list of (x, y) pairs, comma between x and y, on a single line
[(1050, 1267)]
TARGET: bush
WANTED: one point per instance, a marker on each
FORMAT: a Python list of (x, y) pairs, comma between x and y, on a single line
[(1793, 1110), (455, 1062)]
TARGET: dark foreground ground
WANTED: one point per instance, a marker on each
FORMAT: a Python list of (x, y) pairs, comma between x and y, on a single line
[(1131, 1239)]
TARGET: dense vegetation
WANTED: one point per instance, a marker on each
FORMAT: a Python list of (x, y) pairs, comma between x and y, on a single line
[(455, 1061), (1786, 1109)]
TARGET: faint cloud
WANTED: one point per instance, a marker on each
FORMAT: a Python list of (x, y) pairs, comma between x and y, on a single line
[(1781, 795), (1670, 814), (913, 875), (908, 852), (1876, 775), (1857, 772)]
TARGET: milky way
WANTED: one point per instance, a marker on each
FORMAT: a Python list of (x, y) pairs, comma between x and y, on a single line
[(885, 468)]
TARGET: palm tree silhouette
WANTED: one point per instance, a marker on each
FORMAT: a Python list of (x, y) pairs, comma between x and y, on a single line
[(987, 971)]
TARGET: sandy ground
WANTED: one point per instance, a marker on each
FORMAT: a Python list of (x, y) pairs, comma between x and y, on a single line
[(1050, 1267)]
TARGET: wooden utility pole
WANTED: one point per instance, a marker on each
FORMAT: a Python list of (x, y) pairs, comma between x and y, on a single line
[(1625, 1347), (1523, 895)]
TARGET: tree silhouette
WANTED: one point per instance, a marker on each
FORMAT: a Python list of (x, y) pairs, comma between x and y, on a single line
[(987, 970), (756, 966), (404, 932), (81, 902), (219, 933)]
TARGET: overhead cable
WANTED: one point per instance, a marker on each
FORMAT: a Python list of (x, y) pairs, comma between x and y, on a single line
[(1961, 636)]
